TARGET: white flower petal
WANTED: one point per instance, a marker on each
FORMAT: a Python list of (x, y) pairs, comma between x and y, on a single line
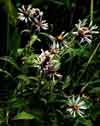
[(26, 20), (23, 7), (57, 45), (81, 103), (20, 14), (44, 26), (91, 22), (88, 40), (65, 35), (54, 45), (82, 40), (77, 100), (20, 9), (94, 27), (77, 26), (89, 36), (29, 19), (70, 102), (83, 107), (80, 113), (58, 75), (94, 32), (21, 18), (41, 13), (75, 33), (69, 110), (36, 20), (74, 114), (84, 22), (73, 99), (29, 7)]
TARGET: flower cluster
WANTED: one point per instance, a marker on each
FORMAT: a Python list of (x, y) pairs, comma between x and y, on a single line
[(76, 106), (85, 32), (35, 17), (32, 15), (48, 66), (47, 62)]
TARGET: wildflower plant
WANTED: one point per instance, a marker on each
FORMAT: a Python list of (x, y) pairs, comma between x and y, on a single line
[(25, 13), (52, 73), (76, 106), (34, 16), (85, 33)]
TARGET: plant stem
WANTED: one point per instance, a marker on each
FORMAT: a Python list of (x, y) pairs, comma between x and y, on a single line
[(91, 9), (91, 57), (89, 61)]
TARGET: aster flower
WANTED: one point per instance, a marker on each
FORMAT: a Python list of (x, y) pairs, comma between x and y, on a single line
[(51, 71), (49, 66), (59, 40), (76, 106), (39, 23), (54, 50), (24, 13), (45, 55), (85, 32), (35, 12)]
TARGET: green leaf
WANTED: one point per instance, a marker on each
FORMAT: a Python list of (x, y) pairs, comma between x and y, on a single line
[(94, 82), (2, 116), (10, 9), (10, 60), (24, 115), (20, 51), (6, 72), (33, 39), (16, 103), (14, 42), (56, 2), (86, 122), (26, 78), (95, 90)]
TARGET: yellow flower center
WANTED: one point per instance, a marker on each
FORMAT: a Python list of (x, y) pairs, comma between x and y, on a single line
[(60, 38), (76, 107)]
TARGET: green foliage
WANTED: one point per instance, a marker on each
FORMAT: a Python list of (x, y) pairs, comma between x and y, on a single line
[(10, 9), (24, 115), (51, 79)]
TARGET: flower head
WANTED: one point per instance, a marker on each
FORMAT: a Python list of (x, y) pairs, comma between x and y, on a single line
[(49, 66), (35, 12), (45, 55), (51, 71), (33, 15), (85, 32), (40, 24), (24, 13), (59, 40), (76, 106)]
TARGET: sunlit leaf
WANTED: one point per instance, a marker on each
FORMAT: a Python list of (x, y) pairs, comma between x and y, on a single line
[(24, 115)]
